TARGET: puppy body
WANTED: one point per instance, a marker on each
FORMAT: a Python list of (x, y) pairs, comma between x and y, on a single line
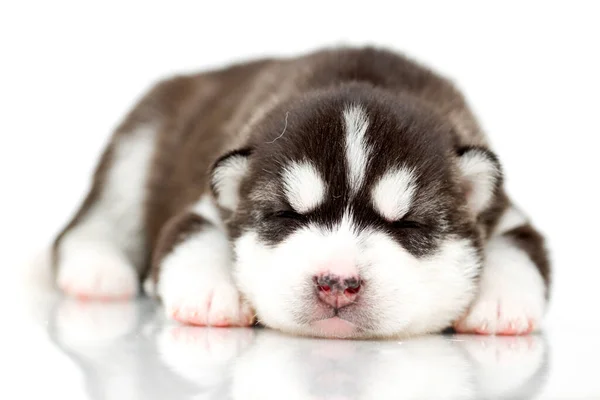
[(345, 193)]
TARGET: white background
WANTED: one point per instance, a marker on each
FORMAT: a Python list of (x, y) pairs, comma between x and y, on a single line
[(70, 70)]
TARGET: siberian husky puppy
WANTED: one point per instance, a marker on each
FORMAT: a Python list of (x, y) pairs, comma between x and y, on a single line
[(344, 193)]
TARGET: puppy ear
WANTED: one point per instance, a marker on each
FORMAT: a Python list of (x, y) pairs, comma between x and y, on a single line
[(481, 176), (226, 177)]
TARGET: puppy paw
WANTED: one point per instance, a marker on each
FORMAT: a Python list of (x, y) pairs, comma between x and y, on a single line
[(218, 305), (511, 300), (499, 316), (195, 295), (94, 271)]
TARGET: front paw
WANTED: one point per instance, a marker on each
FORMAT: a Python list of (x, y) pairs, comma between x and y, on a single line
[(499, 316), (96, 271), (218, 305), (194, 298), (511, 300)]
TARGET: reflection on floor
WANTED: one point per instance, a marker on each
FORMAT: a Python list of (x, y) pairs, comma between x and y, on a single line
[(129, 351)]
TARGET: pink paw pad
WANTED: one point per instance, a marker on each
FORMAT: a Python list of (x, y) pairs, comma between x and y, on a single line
[(462, 327), (482, 330), (85, 296), (512, 329), (196, 318), (221, 322), (188, 317)]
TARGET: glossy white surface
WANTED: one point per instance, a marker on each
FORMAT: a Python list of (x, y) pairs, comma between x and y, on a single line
[(129, 351)]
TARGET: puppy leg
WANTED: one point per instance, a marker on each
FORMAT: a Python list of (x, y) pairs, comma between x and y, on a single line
[(192, 270), (514, 283), (102, 250)]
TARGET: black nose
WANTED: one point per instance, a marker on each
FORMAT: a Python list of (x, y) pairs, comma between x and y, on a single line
[(336, 291)]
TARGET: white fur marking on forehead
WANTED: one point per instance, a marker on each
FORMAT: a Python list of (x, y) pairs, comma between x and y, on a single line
[(303, 185), (357, 150), (393, 194)]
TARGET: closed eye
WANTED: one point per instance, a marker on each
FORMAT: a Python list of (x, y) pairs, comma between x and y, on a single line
[(406, 224), (288, 214)]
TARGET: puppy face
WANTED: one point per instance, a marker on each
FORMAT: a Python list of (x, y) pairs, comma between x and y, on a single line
[(352, 215)]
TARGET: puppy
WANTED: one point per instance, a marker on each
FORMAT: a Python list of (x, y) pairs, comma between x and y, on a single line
[(344, 193)]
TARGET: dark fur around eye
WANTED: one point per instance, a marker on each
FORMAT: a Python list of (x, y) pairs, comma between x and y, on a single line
[(406, 224), (287, 214)]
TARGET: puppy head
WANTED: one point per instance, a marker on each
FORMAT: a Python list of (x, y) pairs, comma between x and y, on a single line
[(352, 215)]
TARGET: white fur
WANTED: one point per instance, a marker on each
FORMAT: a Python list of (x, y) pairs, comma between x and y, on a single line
[(393, 194), (303, 185), (511, 292), (207, 209), (357, 149), (99, 255), (227, 178), (511, 218), (96, 269), (195, 282), (481, 175), (406, 295), (149, 286)]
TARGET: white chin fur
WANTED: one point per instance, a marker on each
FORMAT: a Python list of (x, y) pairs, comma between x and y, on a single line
[(405, 295)]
